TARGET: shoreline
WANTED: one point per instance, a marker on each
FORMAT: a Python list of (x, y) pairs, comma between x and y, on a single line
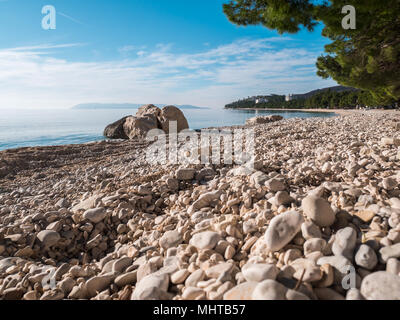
[(337, 111), (197, 130)]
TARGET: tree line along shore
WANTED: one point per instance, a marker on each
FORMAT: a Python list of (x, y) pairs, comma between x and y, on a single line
[(327, 99)]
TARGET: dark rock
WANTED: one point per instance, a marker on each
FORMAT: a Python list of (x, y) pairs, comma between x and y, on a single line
[(116, 130)]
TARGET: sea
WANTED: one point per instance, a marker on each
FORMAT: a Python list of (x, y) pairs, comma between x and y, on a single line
[(36, 127)]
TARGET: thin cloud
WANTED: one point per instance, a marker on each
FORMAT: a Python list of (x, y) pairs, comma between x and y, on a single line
[(33, 77), (43, 47), (70, 18)]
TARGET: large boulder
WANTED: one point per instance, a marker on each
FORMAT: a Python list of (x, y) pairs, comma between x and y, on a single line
[(171, 113), (116, 130), (138, 127), (148, 109), (147, 118)]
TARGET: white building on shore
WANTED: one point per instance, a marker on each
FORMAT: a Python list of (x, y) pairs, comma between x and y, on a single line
[(289, 97), (261, 100)]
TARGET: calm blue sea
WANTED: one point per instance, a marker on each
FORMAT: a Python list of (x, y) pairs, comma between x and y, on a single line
[(23, 128)]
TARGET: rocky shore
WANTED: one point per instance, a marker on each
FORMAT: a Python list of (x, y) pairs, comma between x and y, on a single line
[(318, 218)]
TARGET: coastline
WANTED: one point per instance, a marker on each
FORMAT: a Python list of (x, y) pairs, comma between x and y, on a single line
[(337, 111)]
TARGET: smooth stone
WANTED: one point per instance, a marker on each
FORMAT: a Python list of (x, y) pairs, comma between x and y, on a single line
[(78, 292), (48, 238), (282, 229), (275, 185), (31, 296), (121, 264), (296, 295), (354, 294), (53, 295), (258, 179), (390, 252), (314, 245), (260, 272), (25, 252), (86, 204), (318, 210), (381, 285), (192, 293), (269, 290), (366, 257), (168, 269), (195, 278), (393, 266), (179, 276), (66, 285), (145, 269), (306, 270), (126, 278), (55, 226), (99, 283), (282, 198), (217, 270), (62, 269), (171, 239), (205, 240), (13, 294), (241, 292), (328, 294), (95, 215), (185, 174), (291, 255), (345, 243), (204, 200), (152, 287), (310, 230), (395, 202)]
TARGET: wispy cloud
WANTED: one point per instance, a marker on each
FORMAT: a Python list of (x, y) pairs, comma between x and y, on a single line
[(34, 77), (69, 18), (125, 51)]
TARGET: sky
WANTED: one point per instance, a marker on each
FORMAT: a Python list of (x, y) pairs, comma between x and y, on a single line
[(141, 51)]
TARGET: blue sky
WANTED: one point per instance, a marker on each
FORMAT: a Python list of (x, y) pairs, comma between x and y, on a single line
[(141, 51)]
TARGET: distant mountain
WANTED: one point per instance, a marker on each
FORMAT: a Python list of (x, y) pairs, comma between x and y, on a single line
[(314, 92), (99, 106)]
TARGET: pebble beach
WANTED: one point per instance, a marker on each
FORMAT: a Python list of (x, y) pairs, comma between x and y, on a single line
[(317, 218)]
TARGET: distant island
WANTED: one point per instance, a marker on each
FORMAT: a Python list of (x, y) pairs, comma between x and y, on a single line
[(98, 106), (337, 97)]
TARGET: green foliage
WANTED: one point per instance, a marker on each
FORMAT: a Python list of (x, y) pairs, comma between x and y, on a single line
[(322, 100), (284, 16), (367, 58)]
